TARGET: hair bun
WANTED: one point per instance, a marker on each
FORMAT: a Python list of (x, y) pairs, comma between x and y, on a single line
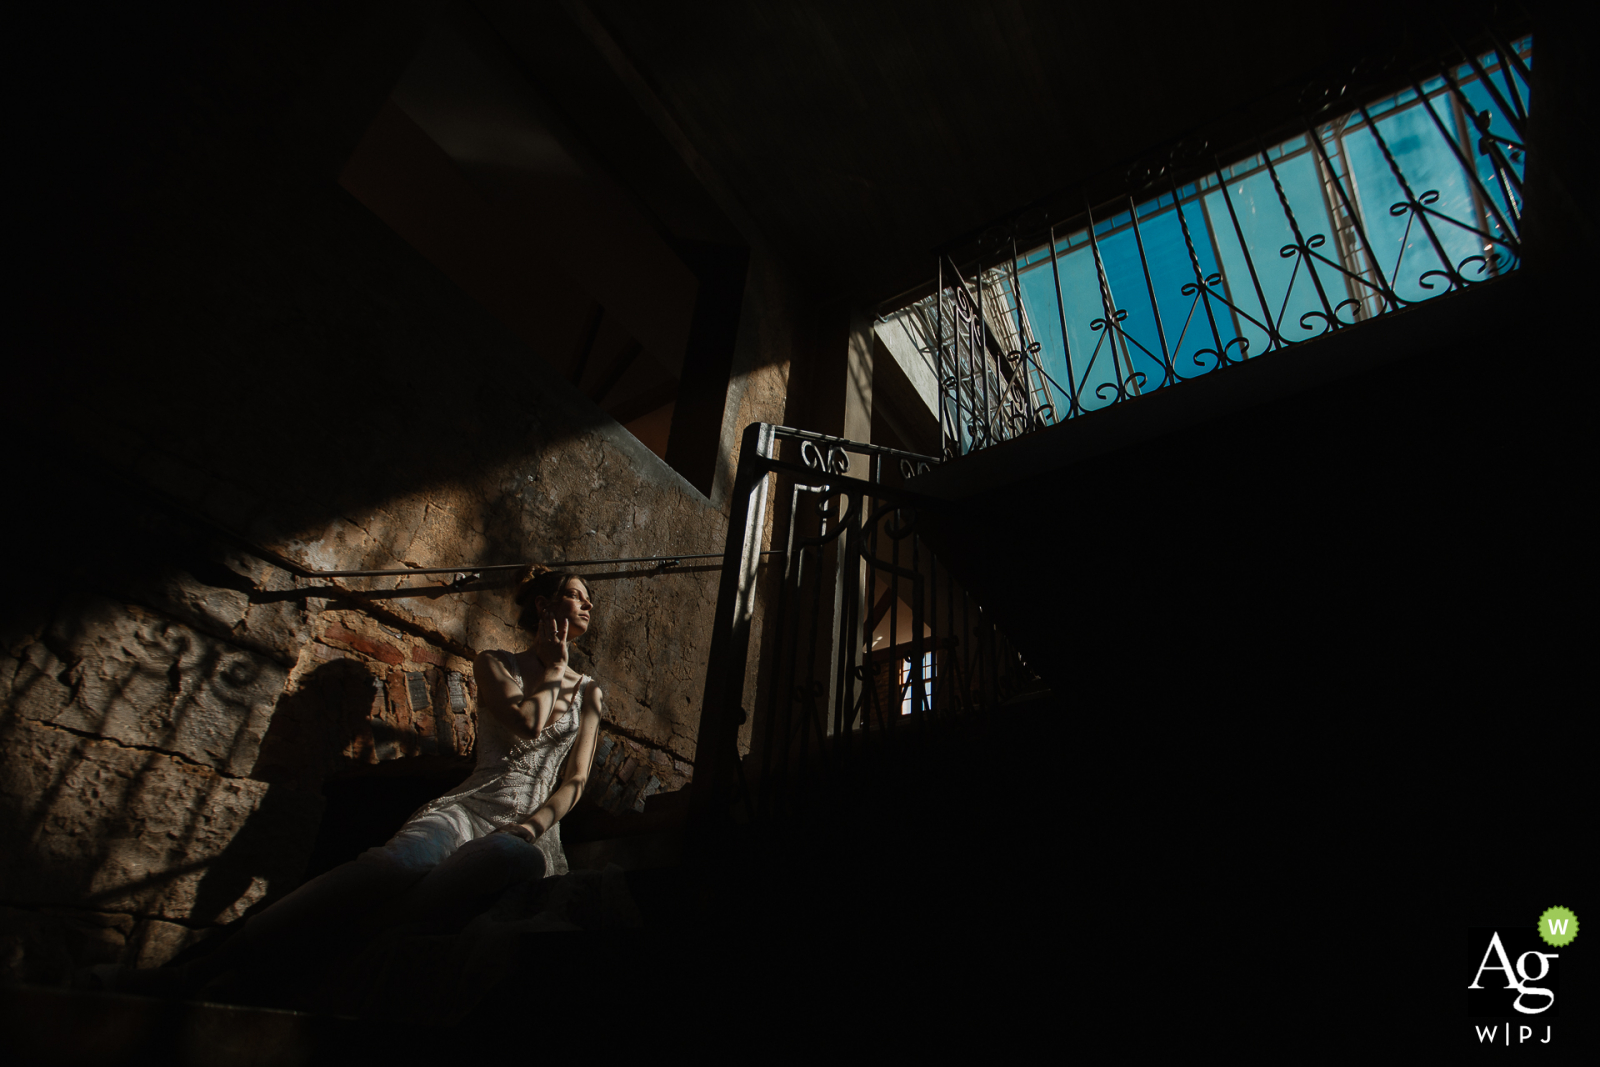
[(525, 582)]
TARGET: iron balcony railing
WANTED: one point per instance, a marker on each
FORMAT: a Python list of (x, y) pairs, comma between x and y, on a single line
[(1393, 185), (848, 561)]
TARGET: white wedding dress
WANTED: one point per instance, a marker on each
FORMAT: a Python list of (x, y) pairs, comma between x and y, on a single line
[(514, 776)]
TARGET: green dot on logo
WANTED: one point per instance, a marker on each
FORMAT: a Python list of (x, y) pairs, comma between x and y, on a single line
[(1558, 926)]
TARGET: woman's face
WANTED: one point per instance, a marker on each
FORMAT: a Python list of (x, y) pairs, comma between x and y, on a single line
[(571, 604)]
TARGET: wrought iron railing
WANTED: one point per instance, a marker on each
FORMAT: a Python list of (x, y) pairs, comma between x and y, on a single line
[(1394, 184), (847, 561)]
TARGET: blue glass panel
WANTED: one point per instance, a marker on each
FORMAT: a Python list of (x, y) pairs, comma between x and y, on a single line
[(1189, 329), (1286, 281), (1142, 344), (1400, 243), (1039, 301), (1092, 369), (1293, 144)]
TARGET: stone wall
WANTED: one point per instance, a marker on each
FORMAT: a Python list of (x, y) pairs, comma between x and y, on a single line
[(250, 365), (150, 784), (167, 730)]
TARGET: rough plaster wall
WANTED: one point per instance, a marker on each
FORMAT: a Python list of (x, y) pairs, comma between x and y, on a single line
[(586, 497), (773, 319), (137, 801), (164, 745), (165, 742), (258, 350)]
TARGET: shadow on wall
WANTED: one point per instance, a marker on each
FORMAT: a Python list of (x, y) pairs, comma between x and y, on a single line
[(129, 739), (364, 803), (155, 776), (300, 758), (129, 850)]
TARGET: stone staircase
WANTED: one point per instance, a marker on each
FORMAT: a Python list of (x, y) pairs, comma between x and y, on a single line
[(651, 924)]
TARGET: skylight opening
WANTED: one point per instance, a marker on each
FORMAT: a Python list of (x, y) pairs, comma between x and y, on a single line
[(1390, 203)]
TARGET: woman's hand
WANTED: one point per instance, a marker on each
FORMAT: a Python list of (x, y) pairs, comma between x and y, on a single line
[(550, 644), (517, 829)]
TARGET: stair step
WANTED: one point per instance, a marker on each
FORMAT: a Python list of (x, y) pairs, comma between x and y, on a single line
[(59, 1026)]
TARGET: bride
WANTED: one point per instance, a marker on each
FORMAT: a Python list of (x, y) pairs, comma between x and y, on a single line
[(538, 723)]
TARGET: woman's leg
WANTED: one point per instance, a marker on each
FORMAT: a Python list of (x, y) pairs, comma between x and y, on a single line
[(480, 869), (361, 885), (352, 889)]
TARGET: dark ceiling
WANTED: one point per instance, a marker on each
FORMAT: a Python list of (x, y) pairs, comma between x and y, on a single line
[(859, 137)]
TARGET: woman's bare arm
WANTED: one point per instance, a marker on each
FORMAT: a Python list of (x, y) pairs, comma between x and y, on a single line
[(579, 762)]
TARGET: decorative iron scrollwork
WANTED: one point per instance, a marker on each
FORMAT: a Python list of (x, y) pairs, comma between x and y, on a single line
[(1429, 197), (1322, 317), (998, 345), (836, 461), (826, 508), (1492, 263)]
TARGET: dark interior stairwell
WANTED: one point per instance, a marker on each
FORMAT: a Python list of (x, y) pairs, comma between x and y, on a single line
[(1362, 524), (1283, 612)]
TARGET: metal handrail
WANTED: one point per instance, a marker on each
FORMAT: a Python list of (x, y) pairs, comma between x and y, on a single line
[(472, 569), (851, 528), (466, 572)]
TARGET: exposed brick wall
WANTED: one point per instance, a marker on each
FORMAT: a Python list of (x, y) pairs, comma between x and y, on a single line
[(424, 701), (626, 774)]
